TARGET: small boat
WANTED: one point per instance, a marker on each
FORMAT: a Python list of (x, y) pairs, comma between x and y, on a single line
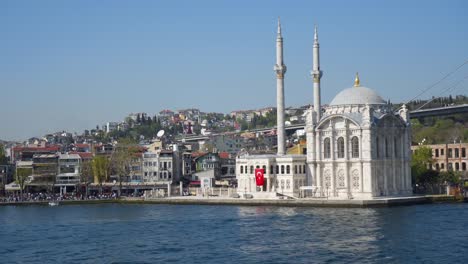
[(53, 203)]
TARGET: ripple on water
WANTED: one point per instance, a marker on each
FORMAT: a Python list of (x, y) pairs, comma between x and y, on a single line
[(225, 234)]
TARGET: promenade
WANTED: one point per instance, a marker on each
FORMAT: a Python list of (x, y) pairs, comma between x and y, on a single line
[(194, 200)]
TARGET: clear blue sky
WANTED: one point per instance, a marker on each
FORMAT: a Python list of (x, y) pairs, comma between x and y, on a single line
[(70, 65)]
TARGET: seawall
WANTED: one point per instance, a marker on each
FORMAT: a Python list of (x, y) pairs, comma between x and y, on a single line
[(263, 202)]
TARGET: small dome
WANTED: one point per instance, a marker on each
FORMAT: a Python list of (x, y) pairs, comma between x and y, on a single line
[(357, 95)]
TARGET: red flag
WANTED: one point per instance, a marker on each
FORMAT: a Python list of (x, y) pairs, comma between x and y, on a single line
[(259, 178)]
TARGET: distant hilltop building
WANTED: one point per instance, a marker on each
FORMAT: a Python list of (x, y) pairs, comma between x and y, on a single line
[(358, 147)]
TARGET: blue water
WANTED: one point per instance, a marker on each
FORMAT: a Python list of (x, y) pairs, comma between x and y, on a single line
[(115, 233)]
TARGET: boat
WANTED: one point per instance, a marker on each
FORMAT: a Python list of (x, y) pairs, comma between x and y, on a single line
[(53, 203)]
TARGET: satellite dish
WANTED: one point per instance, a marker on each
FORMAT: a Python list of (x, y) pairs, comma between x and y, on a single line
[(160, 133)]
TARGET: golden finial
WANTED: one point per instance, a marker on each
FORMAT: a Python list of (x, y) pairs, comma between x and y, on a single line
[(356, 81)]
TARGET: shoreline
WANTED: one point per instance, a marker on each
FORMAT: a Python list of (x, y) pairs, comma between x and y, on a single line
[(386, 202)]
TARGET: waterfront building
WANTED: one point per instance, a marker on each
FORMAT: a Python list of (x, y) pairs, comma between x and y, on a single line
[(357, 147), (69, 169), (44, 170), (448, 157), (158, 167)]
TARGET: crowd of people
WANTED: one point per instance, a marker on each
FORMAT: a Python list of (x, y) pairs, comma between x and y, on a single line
[(45, 197)]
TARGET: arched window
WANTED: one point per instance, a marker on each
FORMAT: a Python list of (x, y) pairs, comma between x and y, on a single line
[(288, 169), (387, 149), (251, 169), (277, 169), (395, 147), (340, 146), (282, 169), (377, 147), (326, 148), (241, 169), (355, 147)]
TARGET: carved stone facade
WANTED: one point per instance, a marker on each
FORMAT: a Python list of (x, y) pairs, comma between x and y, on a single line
[(359, 150)]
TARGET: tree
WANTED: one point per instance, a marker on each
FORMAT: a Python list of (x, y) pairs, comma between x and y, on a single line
[(420, 164), (100, 167), (3, 158), (121, 160), (86, 176), (21, 177)]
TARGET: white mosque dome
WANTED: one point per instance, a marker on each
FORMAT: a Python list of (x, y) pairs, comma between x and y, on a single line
[(357, 95)]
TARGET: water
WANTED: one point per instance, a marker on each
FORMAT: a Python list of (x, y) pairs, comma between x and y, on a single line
[(116, 233)]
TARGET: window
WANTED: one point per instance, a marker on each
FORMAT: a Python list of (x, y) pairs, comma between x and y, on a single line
[(463, 166), (437, 166), (288, 169), (449, 153), (457, 166), (251, 169), (304, 169), (395, 147), (277, 169), (441, 152), (355, 147), (282, 169), (449, 166), (387, 149), (295, 169), (437, 152), (326, 148), (377, 147), (264, 169), (442, 166), (463, 152), (457, 153), (241, 169), (271, 169), (340, 146)]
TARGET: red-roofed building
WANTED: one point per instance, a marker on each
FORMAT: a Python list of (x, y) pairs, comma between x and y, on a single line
[(19, 153)]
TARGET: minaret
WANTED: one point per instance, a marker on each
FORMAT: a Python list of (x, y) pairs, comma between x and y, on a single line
[(280, 70), (316, 76)]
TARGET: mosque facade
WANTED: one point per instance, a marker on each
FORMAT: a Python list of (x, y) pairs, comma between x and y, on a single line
[(358, 147)]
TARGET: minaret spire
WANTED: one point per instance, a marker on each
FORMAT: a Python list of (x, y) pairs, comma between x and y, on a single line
[(279, 28), (315, 34), (316, 75), (280, 70)]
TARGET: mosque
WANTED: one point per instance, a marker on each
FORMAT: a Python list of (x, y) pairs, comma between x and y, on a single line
[(358, 147)]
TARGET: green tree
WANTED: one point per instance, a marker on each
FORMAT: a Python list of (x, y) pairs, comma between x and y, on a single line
[(21, 177), (3, 158), (420, 164), (121, 160), (100, 167), (86, 176)]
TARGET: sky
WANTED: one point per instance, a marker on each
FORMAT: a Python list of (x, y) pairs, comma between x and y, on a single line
[(72, 65)]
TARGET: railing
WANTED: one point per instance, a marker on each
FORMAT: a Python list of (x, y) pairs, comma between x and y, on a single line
[(71, 181)]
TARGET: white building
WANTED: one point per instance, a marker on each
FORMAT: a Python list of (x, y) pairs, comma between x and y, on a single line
[(68, 171), (158, 167), (359, 147), (111, 126)]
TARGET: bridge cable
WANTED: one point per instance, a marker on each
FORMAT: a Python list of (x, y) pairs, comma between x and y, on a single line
[(443, 91), (439, 81)]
